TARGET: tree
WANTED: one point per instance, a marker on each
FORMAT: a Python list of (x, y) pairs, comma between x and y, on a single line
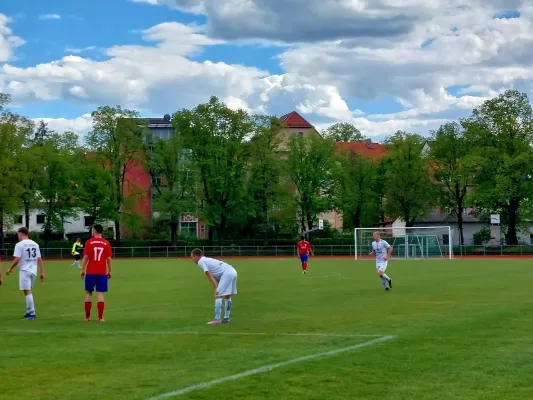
[(355, 195), (265, 171), (409, 193), (216, 135), (176, 187), (451, 165), (12, 137), (58, 189), (309, 167), (501, 133), (117, 139), (344, 132), (95, 189)]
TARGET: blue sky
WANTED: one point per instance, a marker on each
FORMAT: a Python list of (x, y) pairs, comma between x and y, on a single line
[(382, 69)]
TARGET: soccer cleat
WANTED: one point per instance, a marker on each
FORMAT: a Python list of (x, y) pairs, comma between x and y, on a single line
[(390, 283), (225, 321), (386, 289), (88, 319), (214, 322), (304, 272), (101, 320), (29, 316)]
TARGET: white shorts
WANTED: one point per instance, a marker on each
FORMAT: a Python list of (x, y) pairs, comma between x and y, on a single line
[(382, 266), (26, 280), (228, 283)]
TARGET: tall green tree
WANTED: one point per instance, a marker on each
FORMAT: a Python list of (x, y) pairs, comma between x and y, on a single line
[(264, 185), (451, 165), (216, 136), (58, 189), (355, 194), (117, 139), (344, 132), (176, 188), (310, 168), (409, 192), (501, 133), (95, 189), (13, 136)]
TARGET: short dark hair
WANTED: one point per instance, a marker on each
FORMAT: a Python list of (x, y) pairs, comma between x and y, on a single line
[(302, 237), (197, 253), (98, 228), (24, 231)]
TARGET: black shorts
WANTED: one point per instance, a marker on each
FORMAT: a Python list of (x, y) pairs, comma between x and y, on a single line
[(77, 257)]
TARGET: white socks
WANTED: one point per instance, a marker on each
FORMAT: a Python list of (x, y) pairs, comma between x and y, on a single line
[(218, 308), (227, 310), (386, 277), (30, 306)]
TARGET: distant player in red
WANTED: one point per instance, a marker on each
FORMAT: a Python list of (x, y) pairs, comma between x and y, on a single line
[(304, 249), (96, 269)]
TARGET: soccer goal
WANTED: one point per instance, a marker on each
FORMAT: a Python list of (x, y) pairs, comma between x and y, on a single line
[(416, 242)]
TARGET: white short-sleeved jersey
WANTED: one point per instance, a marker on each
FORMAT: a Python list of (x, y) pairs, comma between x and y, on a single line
[(28, 251), (216, 267), (380, 249)]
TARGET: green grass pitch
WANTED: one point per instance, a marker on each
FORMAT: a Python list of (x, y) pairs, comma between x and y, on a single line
[(463, 330)]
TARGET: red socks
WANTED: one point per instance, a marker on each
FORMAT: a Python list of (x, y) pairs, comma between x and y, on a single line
[(88, 306), (100, 306), (304, 266)]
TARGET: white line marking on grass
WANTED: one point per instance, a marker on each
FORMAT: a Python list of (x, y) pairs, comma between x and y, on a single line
[(270, 367), (214, 333), (332, 275)]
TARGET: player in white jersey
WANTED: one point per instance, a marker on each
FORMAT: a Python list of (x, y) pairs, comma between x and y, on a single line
[(28, 258), (382, 250), (224, 279)]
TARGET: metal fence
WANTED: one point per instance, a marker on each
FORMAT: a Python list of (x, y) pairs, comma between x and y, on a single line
[(271, 251)]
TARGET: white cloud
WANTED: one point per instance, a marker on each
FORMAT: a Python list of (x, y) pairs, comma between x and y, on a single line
[(44, 17), (74, 50), (450, 57), (8, 41), (80, 125)]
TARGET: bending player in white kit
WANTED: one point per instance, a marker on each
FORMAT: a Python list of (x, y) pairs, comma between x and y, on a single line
[(383, 252), (224, 279), (28, 258)]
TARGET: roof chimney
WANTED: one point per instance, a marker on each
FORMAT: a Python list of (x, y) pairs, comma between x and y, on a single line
[(368, 143)]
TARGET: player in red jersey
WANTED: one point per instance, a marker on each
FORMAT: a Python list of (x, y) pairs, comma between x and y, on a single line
[(96, 269), (304, 249)]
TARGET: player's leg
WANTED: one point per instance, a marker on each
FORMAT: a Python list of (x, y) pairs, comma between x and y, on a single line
[(101, 288), (90, 283), (77, 262), (223, 289), (228, 301), (26, 281), (384, 278), (304, 258)]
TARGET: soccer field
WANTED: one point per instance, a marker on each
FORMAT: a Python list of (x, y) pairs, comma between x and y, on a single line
[(447, 330)]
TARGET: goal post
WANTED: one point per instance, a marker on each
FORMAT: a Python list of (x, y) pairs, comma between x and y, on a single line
[(417, 242)]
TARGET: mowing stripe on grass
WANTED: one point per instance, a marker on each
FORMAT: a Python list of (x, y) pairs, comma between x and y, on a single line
[(99, 332), (332, 275), (270, 367)]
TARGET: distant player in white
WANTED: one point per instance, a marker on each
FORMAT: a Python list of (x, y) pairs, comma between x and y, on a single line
[(28, 258), (224, 279), (382, 250)]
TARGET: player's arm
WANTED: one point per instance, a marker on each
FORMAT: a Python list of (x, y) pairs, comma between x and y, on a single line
[(108, 262), (311, 250), (211, 279), (40, 265), (84, 263), (15, 263), (389, 250)]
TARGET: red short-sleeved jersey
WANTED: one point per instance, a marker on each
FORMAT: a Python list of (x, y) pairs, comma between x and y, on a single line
[(98, 250), (304, 247)]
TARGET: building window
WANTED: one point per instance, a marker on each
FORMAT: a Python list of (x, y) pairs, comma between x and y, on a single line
[(157, 180), (17, 219), (188, 229), (300, 134), (41, 218), (202, 231), (88, 221)]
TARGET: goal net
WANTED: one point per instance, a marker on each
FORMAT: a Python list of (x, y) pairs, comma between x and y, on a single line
[(414, 243)]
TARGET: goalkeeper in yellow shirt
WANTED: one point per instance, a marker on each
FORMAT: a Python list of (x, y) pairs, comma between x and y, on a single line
[(76, 254)]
